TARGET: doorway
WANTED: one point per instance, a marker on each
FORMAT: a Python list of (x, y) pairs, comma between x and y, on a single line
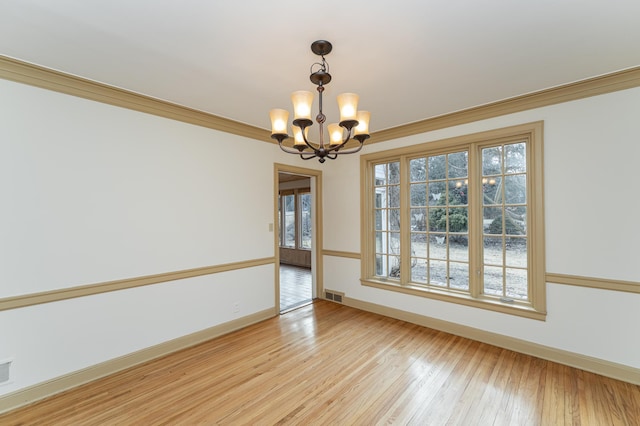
[(297, 213)]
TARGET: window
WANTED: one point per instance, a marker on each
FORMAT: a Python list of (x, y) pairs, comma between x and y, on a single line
[(305, 220), (459, 220), (294, 213)]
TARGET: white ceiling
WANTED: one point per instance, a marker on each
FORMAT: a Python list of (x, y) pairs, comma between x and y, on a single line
[(409, 60)]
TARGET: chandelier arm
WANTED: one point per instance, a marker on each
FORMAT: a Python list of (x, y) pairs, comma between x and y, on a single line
[(352, 151), (287, 150), (302, 127), (309, 155), (332, 156)]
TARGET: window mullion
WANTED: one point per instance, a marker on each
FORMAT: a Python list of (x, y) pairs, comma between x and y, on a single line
[(475, 221), (405, 222)]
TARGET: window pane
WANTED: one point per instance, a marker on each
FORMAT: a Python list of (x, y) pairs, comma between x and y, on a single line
[(394, 243), (418, 169), (394, 173), (381, 197), (437, 195), (458, 192), (438, 219), (458, 220), (394, 219), (381, 220), (394, 196), (492, 249), (438, 246), (515, 189), (519, 215), (513, 226), (437, 169), (492, 190), (458, 165), (493, 280), (438, 273), (516, 252), (419, 270), (380, 173), (418, 219), (459, 276), (305, 221), (492, 161), (418, 194), (289, 221), (492, 220), (381, 242), (381, 265), (419, 245), (394, 266), (516, 283), (459, 247), (515, 158)]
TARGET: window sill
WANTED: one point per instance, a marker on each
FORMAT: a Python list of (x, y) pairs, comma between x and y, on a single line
[(522, 310)]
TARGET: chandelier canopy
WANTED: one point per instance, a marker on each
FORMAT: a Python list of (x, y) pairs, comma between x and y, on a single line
[(353, 123)]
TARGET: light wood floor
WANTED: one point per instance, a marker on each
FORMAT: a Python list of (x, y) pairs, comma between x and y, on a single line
[(329, 364)]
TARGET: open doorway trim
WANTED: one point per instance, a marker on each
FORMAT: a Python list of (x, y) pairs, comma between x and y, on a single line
[(316, 176)]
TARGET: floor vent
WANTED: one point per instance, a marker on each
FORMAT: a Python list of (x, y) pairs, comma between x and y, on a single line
[(333, 295)]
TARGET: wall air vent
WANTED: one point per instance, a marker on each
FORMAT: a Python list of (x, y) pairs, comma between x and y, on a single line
[(4, 370), (335, 296)]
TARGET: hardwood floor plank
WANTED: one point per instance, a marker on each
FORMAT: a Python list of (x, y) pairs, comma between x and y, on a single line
[(329, 364)]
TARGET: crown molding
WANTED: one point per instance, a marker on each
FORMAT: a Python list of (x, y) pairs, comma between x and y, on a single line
[(621, 80), (45, 78), (34, 75)]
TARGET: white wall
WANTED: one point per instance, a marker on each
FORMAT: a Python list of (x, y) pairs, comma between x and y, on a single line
[(92, 193), (591, 209)]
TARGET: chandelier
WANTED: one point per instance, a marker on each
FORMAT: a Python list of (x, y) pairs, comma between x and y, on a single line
[(353, 123)]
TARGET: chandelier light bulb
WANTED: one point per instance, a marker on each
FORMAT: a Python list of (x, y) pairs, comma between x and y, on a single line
[(348, 104), (335, 134), (363, 123), (279, 119), (297, 136), (302, 101)]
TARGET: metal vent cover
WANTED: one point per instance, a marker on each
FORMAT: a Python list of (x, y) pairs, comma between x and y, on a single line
[(333, 295), (4, 370)]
